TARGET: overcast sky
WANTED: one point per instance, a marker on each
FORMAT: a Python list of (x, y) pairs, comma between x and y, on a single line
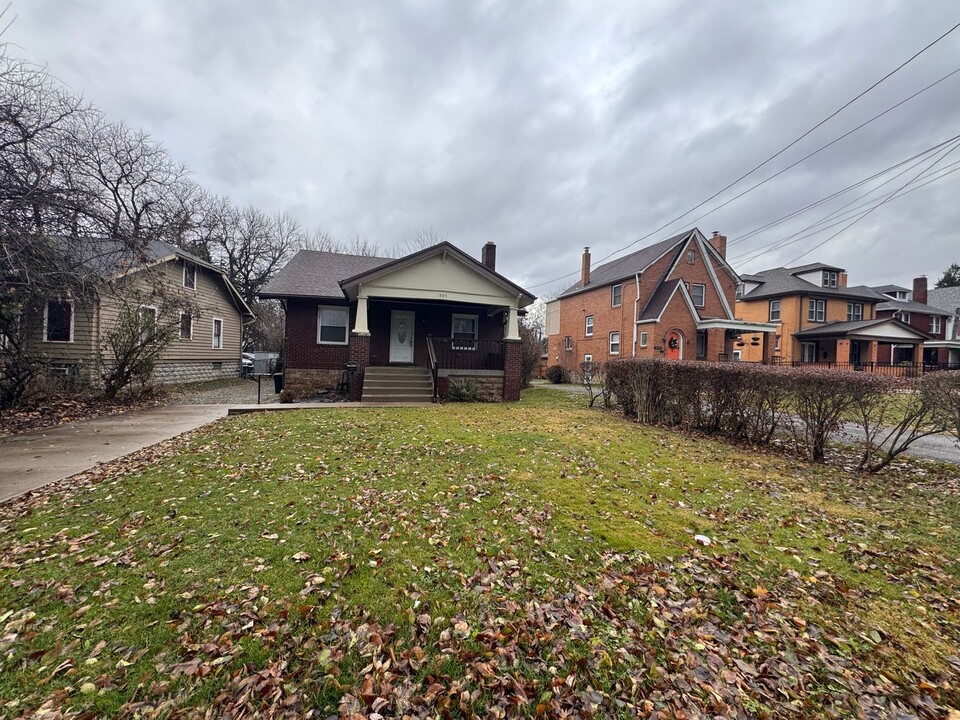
[(542, 126)]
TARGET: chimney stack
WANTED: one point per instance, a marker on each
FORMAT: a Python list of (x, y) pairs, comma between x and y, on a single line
[(719, 243), (920, 289), (488, 255), (842, 278), (585, 268)]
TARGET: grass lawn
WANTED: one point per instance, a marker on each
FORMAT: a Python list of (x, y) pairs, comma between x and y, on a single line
[(530, 559)]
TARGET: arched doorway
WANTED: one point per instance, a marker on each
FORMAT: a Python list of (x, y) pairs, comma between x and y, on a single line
[(674, 348)]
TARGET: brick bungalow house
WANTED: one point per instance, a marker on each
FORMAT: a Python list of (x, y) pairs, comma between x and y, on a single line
[(673, 299), (821, 320), (911, 308), (408, 327)]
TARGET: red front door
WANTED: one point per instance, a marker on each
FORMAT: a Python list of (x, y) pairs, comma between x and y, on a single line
[(674, 349)]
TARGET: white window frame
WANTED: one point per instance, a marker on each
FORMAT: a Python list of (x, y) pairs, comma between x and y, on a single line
[(465, 343), (616, 295), (816, 310), (568, 343), (852, 308), (46, 314), (776, 343), (611, 343), (180, 329), (803, 351), (187, 266), (703, 294), (903, 317), (935, 323), (213, 333), (156, 317), (346, 325), (691, 257), (643, 339), (588, 358), (588, 326), (770, 310), (830, 278)]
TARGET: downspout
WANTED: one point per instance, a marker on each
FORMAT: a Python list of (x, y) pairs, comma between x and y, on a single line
[(636, 305)]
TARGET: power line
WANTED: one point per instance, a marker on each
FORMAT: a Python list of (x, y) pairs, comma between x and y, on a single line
[(878, 205), (781, 151), (753, 254), (831, 196)]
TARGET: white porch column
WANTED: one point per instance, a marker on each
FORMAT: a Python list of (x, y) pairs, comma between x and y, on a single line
[(360, 324), (513, 326)]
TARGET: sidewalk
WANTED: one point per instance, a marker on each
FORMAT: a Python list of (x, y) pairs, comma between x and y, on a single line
[(32, 460)]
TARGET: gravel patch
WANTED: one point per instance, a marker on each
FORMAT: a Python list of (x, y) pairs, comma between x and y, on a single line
[(223, 392)]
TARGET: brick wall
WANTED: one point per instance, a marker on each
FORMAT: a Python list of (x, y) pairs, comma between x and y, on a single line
[(490, 387), (511, 370), (309, 382), (302, 349), (360, 354)]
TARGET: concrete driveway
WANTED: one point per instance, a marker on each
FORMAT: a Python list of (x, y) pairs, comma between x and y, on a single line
[(32, 460)]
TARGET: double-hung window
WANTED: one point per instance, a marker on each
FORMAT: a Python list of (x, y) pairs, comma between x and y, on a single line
[(701, 343), (588, 326), (854, 311), (698, 294), (464, 331), (190, 276), (829, 279), (773, 314), (643, 339), (58, 320), (332, 325), (147, 316), (935, 324), (217, 333), (616, 295), (186, 326), (817, 310), (568, 343), (614, 343)]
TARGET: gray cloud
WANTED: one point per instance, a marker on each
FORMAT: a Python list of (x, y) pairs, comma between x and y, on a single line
[(540, 125)]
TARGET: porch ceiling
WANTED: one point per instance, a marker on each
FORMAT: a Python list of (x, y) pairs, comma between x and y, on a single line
[(738, 325)]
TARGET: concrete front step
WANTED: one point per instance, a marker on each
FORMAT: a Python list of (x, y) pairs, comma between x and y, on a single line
[(397, 384)]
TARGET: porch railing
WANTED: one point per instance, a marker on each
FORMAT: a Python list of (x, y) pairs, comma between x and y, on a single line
[(432, 361), (897, 370), (454, 354)]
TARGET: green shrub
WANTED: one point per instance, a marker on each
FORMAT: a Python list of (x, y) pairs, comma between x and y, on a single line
[(463, 390)]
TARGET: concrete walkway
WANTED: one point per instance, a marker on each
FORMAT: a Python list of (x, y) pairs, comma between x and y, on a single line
[(32, 460)]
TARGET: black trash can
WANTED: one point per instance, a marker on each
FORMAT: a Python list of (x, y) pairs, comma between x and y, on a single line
[(277, 382)]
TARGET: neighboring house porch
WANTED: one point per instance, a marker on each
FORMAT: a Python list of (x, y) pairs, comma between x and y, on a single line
[(860, 345)]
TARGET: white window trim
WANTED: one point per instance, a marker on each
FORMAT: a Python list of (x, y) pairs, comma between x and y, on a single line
[(816, 310), (852, 311), (643, 339), (612, 292), (903, 317), (588, 324), (46, 314), (156, 316), (703, 296), (610, 342), (213, 333), (770, 317), (568, 343), (935, 323), (467, 344), (588, 358), (691, 257), (346, 335), (186, 266), (180, 328), (737, 355)]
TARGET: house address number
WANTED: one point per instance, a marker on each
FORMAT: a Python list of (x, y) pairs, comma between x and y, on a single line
[(441, 295)]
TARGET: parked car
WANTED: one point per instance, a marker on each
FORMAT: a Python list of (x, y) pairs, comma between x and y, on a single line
[(246, 363)]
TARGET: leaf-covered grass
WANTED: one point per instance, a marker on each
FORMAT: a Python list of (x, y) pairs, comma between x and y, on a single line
[(534, 558)]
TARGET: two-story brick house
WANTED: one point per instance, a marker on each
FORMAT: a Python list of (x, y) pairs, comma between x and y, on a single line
[(911, 308), (949, 346), (820, 319), (673, 299)]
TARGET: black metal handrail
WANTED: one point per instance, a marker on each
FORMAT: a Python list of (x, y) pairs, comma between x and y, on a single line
[(432, 359), (460, 354)]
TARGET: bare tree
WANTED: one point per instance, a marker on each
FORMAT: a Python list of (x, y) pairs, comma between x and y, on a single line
[(421, 240)]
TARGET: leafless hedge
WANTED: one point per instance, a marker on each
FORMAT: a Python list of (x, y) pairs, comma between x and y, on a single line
[(751, 403)]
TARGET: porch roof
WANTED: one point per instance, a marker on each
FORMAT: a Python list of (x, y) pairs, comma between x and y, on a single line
[(738, 325), (883, 330)]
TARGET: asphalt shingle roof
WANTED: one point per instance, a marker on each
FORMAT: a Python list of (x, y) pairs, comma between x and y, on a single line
[(783, 281), (628, 265), (890, 288), (312, 273), (658, 301), (948, 297), (911, 306), (846, 328)]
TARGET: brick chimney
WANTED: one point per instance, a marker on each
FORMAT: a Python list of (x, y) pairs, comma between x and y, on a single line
[(719, 243), (585, 268), (842, 278), (488, 255), (920, 289)]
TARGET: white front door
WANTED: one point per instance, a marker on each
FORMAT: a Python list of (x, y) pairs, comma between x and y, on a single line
[(401, 336)]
